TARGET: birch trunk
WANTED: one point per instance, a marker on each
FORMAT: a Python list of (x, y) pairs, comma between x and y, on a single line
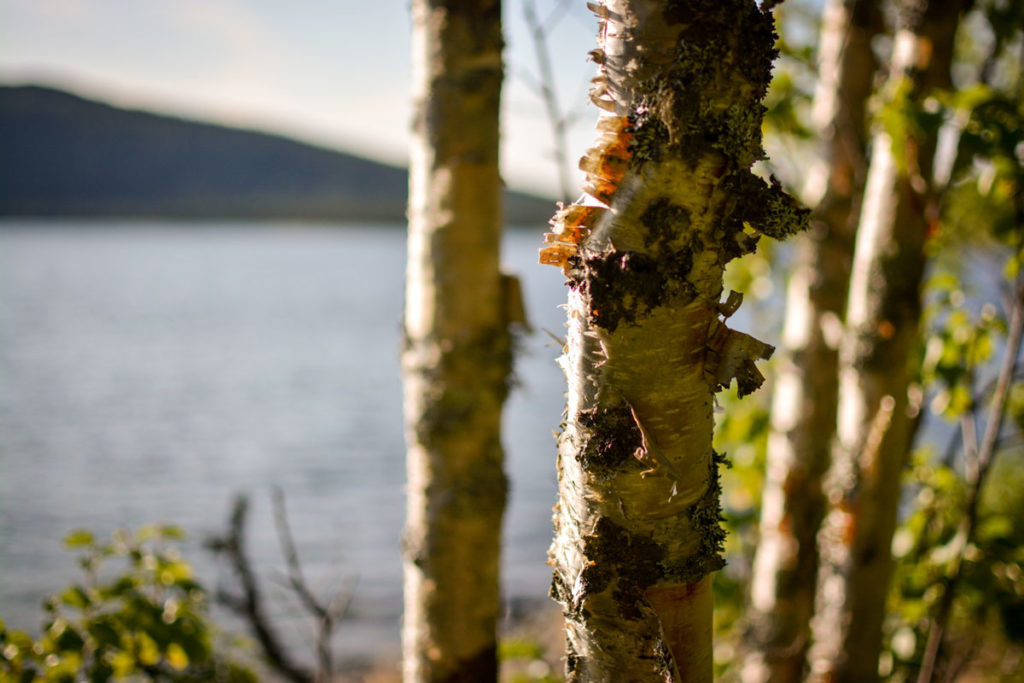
[(803, 414), (637, 523), (456, 358), (875, 422)]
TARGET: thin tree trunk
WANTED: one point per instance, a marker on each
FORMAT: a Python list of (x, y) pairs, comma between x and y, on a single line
[(803, 414), (457, 353), (876, 416), (637, 523)]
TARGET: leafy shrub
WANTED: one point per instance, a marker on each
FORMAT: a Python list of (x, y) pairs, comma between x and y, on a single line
[(138, 614)]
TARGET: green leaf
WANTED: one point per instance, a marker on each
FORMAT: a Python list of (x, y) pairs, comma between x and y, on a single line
[(176, 657), (175, 572), (995, 527), (172, 532), (75, 596), (148, 652), (79, 538), (103, 633), (69, 639), (517, 648)]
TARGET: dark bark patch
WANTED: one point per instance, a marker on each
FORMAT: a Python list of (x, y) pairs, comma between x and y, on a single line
[(632, 562), (710, 95), (558, 591), (706, 518), (483, 666), (616, 282), (756, 208), (623, 285), (449, 410), (613, 439), (664, 221), (650, 137), (765, 206), (572, 660), (488, 358), (482, 16)]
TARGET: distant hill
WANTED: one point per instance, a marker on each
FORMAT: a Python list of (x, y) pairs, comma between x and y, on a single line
[(62, 155)]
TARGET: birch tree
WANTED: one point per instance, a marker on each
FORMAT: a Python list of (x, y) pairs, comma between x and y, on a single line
[(672, 200), (806, 387), (876, 412), (457, 354)]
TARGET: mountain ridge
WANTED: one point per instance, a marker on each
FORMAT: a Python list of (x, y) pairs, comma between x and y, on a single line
[(67, 155)]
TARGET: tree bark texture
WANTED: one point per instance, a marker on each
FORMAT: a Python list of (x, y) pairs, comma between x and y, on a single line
[(457, 353), (876, 417), (637, 531), (803, 413)]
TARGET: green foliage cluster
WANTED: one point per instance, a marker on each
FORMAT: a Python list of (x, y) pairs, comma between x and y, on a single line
[(982, 212), (138, 614), (989, 611), (960, 341), (981, 215)]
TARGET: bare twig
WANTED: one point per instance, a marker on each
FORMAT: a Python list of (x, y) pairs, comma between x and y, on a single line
[(250, 604), (546, 84), (291, 556), (964, 657), (969, 424), (951, 450), (328, 614)]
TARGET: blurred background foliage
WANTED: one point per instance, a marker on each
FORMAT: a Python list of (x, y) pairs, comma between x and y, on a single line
[(976, 250)]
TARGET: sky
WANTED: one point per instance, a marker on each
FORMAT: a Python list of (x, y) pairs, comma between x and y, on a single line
[(331, 72)]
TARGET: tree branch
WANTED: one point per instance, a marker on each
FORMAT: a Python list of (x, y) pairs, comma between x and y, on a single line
[(547, 93), (250, 605), (976, 474), (328, 614)]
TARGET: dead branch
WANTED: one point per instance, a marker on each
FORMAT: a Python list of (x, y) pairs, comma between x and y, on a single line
[(327, 614), (250, 605)]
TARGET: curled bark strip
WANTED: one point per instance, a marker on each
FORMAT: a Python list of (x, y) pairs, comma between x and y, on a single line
[(732, 355), (605, 164)]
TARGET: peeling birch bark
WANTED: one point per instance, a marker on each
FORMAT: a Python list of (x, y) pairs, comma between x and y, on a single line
[(803, 413), (457, 354), (637, 532), (875, 421)]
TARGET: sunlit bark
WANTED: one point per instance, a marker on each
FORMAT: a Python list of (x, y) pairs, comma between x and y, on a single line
[(876, 414), (803, 414), (457, 353), (637, 524)]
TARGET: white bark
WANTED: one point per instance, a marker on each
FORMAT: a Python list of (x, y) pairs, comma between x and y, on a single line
[(637, 524), (457, 352)]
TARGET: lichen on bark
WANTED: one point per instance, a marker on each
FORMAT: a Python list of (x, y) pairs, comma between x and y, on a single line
[(637, 524)]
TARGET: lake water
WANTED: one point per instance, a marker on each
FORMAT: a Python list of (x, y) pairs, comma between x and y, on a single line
[(151, 370)]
